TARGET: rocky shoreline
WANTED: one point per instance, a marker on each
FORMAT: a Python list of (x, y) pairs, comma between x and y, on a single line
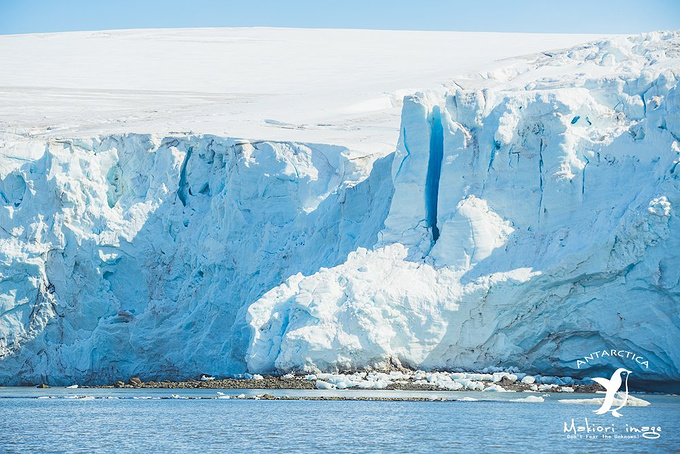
[(409, 381)]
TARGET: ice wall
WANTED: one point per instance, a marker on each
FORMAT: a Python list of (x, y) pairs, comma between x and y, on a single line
[(556, 229), (523, 221), (135, 255)]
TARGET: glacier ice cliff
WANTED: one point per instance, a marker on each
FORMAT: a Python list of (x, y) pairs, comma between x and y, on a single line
[(136, 255), (525, 220)]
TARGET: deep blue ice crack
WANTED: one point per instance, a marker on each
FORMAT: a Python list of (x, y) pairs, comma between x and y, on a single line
[(434, 170)]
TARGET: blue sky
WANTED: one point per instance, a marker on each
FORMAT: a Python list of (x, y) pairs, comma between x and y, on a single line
[(558, 16)]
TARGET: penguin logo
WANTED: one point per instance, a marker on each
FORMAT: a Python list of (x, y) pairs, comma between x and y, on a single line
[(612, 386)]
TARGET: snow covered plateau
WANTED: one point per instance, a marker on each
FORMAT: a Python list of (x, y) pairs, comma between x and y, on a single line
[(223, 201)]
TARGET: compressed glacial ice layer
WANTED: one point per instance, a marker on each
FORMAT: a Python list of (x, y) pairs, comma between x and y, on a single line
[(136, 255), (556, 230), (526, 220)]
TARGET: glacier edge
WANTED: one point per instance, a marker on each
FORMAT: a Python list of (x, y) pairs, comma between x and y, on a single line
[(542, 226)]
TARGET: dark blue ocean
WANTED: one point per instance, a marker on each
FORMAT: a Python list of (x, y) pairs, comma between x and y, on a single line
[(127, 420)]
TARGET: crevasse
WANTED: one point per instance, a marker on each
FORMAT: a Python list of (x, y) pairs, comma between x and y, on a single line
[(434, 168)]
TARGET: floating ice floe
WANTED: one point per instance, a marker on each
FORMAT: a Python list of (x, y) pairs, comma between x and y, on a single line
[(547, 387), (495, 388), (324, 385), (632, 401), (529, 399)]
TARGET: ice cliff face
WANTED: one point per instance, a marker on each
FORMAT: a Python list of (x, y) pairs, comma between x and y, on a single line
[(131, 255), (524, 221), (533, 221)]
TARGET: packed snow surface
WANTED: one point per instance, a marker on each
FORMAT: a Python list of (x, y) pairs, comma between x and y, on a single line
[(526, 218), (339, 87)]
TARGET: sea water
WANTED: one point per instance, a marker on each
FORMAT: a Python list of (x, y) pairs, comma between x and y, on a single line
[(175, 420)]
